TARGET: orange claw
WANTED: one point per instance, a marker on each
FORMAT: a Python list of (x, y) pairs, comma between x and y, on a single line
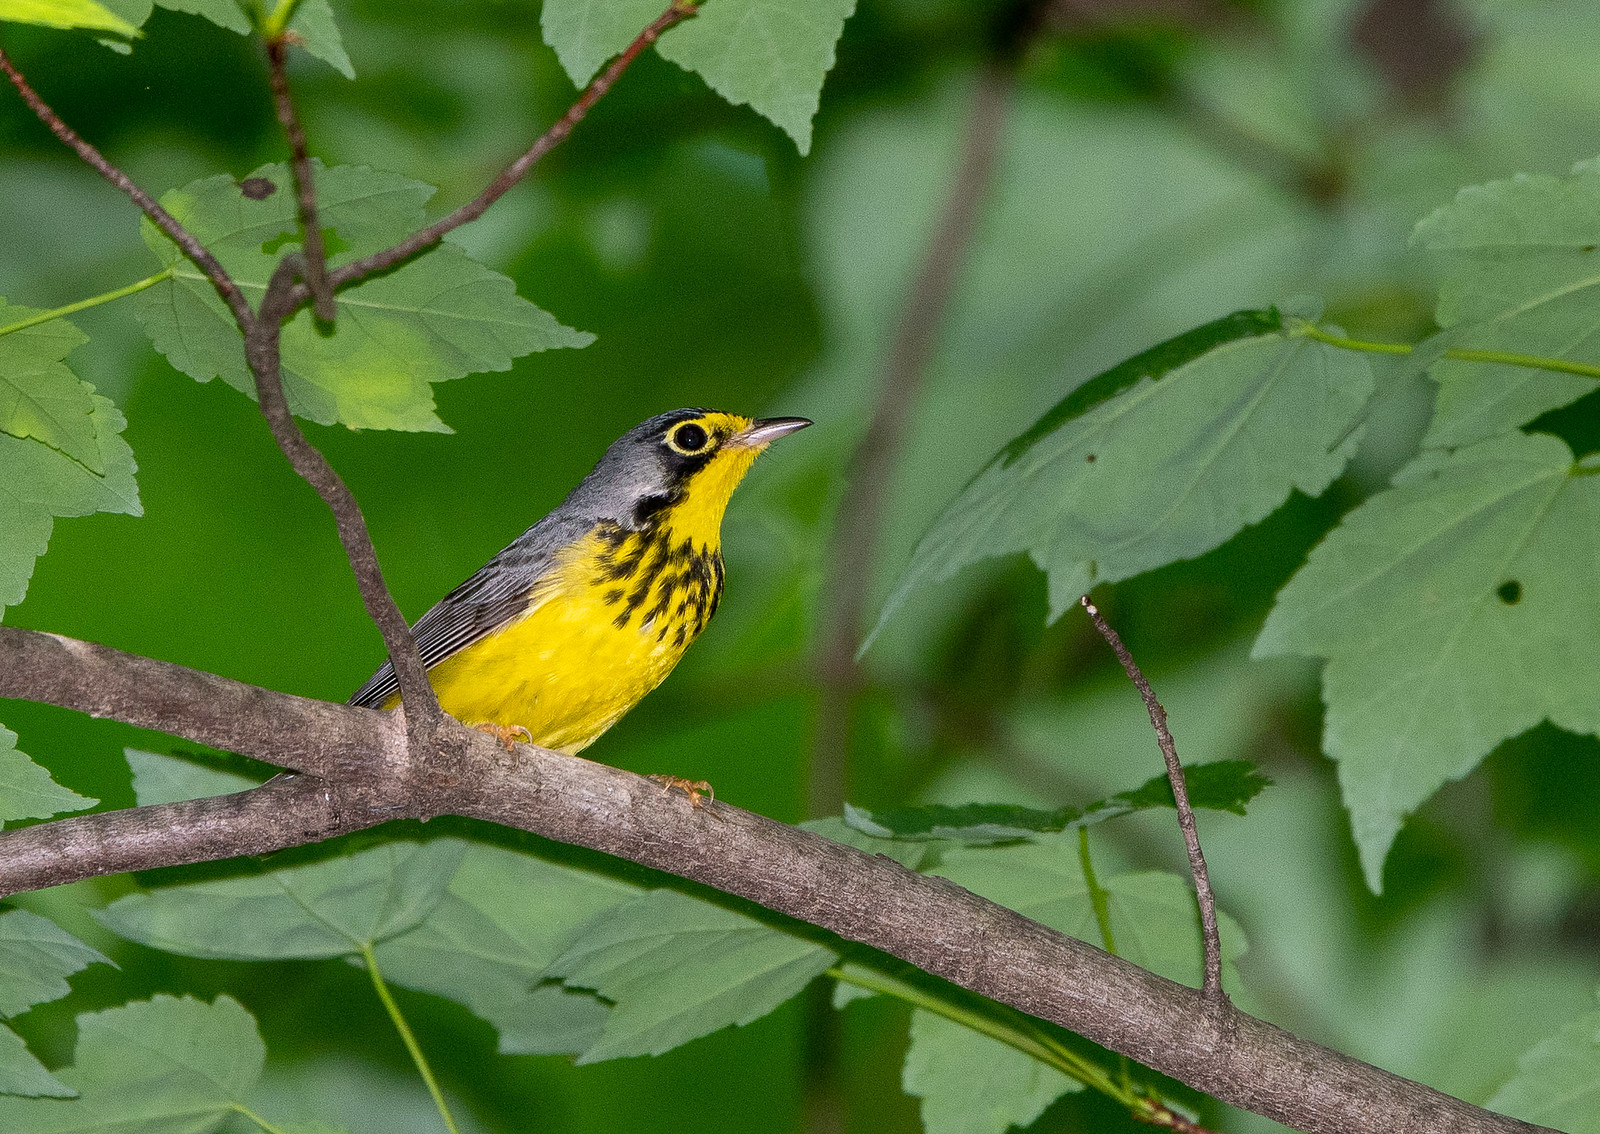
[(691, 788), (505, 734)]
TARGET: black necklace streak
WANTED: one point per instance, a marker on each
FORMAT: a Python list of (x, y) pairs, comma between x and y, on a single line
[(686, 583)]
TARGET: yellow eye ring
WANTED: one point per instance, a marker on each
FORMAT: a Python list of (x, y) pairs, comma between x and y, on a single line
[(690, 439)]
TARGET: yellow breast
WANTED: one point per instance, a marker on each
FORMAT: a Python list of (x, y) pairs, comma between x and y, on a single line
[(605, 628)]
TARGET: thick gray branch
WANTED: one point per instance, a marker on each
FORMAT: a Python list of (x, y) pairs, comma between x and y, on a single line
[(927, 921)]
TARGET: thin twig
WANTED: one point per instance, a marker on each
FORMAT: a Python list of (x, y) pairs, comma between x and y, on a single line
[(1212, 983), (425, 238), (182, 237), (261, 346), (305, 192), (855, 537)]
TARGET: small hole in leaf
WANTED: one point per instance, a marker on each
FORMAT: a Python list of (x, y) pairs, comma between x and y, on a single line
[(257, 188), (1588, 248), (1510, 592), (1090, 458)]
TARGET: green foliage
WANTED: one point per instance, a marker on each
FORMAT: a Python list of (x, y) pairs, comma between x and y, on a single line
[(1153, 915), (1224, 785), (676, 968), (1558, 1081), (66, 14), (60, 449), (971, 1084), (26, 789), (36, 957), (487, 944), (1451, 618), (171, 1065), (330, 908), (1215, 431), (439, 317), (159, 778), (770, 54), (1520, 273), (319, 34)]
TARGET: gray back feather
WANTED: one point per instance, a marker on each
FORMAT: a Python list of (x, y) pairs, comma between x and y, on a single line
[(633, 470)]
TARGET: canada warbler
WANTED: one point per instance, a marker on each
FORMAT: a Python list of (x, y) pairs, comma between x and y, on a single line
[(588, 610)]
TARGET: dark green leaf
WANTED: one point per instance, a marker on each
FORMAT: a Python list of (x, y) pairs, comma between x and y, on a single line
[(506, 916), (1558, 1081), (1121, 479), (27, 791), (1224, 785), (1154, 918), (676, 968), (324, 909), (38, 483), (971, 1084), (159, 778), (1453, 617), (439, 317), (162, 1066), (1521, 273), (36, 958)]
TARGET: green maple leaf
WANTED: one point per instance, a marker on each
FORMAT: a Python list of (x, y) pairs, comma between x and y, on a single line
[(438, 317)]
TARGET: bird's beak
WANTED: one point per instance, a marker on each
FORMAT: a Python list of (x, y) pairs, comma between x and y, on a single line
[(760, 434)]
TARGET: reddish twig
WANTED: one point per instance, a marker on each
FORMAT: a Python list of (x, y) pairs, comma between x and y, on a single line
[(182, 237), (316, 266), (1212, 983), (679, 11)]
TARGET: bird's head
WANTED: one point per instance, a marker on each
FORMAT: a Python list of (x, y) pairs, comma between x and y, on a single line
[(680, 469)]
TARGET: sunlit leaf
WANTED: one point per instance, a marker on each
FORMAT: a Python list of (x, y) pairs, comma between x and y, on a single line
[(439, 317), (1454, 612), (1224, 785), (971, 1084), (1521, 273), (323, 909), (1558, 1081), (26, 789), (159, 778), (487, 944), (1154, 918), (677, 968), (1161, 458), (162, 1066), (66, 14)]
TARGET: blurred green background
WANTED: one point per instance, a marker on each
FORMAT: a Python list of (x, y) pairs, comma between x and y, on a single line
[(1161, 164)]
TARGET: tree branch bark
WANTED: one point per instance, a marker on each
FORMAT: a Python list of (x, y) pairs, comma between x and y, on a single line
[(924, 920)]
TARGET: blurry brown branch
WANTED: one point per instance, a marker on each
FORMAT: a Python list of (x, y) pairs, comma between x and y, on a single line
[(358, 767), (1212, 980), (305, 190), (849, 570)]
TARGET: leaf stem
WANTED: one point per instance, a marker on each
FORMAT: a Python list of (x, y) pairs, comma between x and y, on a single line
[(1101, 901), (85, 304), (274, 25), (1464, 354), (257, 1119), (1014, 1034), (407, 1037)]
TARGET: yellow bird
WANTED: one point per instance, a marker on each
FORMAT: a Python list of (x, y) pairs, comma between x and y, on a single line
[(563, 632)]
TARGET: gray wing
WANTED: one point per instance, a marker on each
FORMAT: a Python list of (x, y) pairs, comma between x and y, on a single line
[(497, 595)]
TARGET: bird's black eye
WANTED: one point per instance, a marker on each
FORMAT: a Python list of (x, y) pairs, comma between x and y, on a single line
[(689, 438)]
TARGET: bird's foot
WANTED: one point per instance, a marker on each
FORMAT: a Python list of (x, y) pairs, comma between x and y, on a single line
[(505, 734), (694, 789)]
